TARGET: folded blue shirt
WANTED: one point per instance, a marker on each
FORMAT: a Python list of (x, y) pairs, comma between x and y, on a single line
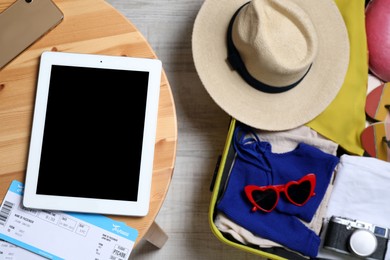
[(255, 164)]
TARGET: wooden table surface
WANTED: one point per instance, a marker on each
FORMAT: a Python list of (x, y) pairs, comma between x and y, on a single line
[(89, 26)]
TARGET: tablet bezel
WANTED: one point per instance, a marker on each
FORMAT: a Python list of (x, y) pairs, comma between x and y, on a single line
[(90, 205)]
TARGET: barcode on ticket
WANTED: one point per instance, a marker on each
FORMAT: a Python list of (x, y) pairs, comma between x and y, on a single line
[(5, 212)]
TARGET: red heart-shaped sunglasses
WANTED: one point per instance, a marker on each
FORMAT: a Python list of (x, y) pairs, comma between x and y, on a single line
[(266, 198)]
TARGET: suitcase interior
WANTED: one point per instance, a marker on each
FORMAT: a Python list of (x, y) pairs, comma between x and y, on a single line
[(220, 178)]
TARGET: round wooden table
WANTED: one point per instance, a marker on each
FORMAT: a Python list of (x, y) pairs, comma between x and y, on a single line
[(89, 26)]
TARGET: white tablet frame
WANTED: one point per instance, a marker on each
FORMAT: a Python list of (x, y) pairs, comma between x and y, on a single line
[(88, 205)]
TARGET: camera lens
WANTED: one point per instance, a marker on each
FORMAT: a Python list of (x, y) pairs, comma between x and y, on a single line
[(362, 242)]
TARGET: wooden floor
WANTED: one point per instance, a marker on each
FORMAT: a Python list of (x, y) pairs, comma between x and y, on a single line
[(202, 129)]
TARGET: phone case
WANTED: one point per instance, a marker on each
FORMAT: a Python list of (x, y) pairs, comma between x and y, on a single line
[(24, 22)]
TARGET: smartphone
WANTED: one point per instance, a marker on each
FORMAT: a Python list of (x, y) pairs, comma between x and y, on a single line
[(24, 22)]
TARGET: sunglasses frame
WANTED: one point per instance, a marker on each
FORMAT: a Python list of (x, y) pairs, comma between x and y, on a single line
[(249, 189)]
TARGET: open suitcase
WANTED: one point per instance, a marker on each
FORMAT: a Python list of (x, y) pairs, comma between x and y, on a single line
[(324, 227)]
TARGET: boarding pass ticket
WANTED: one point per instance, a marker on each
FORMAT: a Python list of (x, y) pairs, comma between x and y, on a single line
[(60, 235)]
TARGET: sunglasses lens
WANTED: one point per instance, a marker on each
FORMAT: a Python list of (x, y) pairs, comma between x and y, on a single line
[(265, 199), (300, 193)]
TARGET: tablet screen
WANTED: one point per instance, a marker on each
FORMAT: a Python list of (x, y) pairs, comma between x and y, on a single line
[(93, 133)]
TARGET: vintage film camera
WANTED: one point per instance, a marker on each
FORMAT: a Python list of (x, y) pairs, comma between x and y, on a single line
[(356, 238)]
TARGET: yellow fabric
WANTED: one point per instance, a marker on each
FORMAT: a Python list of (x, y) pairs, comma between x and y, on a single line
[(344, 119)]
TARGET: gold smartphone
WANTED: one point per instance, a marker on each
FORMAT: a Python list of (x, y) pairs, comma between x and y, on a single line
[(24, 22)]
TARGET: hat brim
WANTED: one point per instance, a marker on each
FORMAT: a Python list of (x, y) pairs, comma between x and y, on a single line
[(261, 110)]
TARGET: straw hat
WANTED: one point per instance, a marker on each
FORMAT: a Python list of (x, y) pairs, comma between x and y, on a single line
[(287, 58)]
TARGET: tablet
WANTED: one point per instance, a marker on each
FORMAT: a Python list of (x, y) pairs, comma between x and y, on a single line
[(93, 134)]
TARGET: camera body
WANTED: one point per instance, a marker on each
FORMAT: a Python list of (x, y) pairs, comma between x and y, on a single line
[(357, 238)]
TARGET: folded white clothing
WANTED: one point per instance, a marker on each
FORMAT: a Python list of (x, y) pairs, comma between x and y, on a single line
[(361, 191)]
